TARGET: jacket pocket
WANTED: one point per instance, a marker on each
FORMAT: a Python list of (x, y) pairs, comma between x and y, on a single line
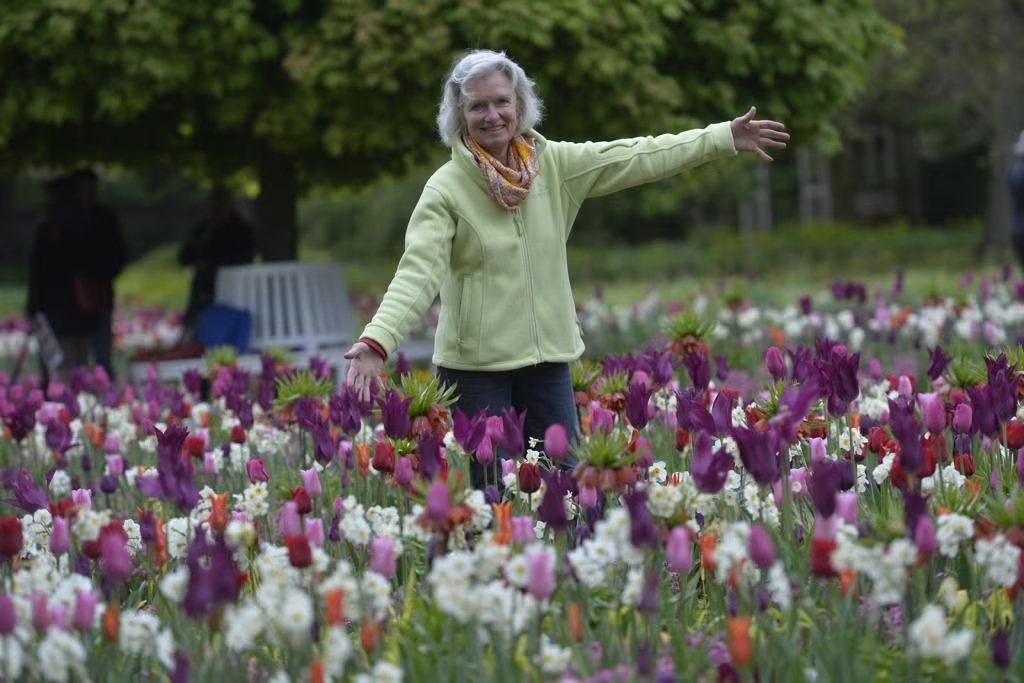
[(467, 320)]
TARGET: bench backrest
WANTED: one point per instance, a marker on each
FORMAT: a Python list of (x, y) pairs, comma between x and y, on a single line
[(297, 305)]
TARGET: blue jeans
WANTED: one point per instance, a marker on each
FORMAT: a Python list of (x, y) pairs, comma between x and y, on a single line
[(544, 391)]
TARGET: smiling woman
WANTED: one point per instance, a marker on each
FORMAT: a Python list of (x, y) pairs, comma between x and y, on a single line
[(489, 235)]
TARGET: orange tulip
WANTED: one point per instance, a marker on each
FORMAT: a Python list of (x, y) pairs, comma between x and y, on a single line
[(334, 606), (503, 515), (160, 543), (740, 648), (316, 671), (708, 542), (575, 621), (218, 518), (111, 621), (370, 635), (847, 579), (363, 457)]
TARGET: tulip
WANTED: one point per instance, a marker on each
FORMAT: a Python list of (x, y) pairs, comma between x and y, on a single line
[(209, 463), (311, 482), (775, 362), (257, 470), (587, 497), (314, 527), (303, 503), (111, 442), (934, 411), (300, 555), (924, 536), (485, 451), (40, 612), (540, 575), (60, 540), (84, 615), (522, 529), (821, 556), (529, 478), (8, 615), (403, 471), (438, 502), (601, 420), (383, 456), (1000, 646), (11, 539), (963, 418), (115, 560), (556, 442), (288, 521), (115, 465), (679, 550), (818, 451), (760, 547), (82, 498), (846, 506), (382, 556)]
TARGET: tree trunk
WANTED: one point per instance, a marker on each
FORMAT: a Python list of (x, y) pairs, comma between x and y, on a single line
[(277, 230)]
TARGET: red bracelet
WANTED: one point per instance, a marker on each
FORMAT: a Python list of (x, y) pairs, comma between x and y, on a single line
[(377, 348)]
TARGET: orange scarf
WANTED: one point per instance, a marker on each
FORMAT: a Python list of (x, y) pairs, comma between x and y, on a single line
[(507, 185)]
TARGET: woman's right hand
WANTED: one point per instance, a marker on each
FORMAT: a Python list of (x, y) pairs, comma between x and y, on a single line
[(364, 369)]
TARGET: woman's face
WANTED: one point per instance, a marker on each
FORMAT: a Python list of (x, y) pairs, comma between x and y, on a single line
[(489, 107)]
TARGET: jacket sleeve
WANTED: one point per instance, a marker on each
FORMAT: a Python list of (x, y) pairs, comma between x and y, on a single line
[(593, 169), (421, 270)]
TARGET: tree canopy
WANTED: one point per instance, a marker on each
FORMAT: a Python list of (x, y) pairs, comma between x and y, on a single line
[(298, 93)]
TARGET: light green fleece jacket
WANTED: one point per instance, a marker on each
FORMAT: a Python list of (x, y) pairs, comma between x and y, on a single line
[(503, 275)]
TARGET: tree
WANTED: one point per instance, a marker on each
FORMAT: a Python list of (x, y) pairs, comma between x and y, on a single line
[(297, 93)]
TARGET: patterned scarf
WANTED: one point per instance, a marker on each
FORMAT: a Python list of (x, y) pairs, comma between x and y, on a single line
[(507, 185)]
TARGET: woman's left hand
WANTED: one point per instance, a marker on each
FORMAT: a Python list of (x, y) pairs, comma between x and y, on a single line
[(750, 135)]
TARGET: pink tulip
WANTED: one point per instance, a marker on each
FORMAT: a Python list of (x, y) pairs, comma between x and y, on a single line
[(112, 442), (540, 574), (257, 470), (846, 506), (115, 464), (315, 530), (311, 482), (82, 498), (8, 615), (963, 417), (925, 537), (115, 560), (485, 451), (760, 547), (818, 452), (438, 502), (60, 540), (587, 497), (522, 529), (84, 616), (403, 471), (556, 442), (40, 612), (288, 521), (382, 556), (679, 550), (934, 411)]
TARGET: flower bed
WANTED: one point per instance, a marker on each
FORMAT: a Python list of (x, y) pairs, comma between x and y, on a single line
[(839, 514)]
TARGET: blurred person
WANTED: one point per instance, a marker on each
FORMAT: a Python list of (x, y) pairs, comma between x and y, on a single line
[(489, 234), (1016, 182), (222, 238), (57, 256), (107, 255)]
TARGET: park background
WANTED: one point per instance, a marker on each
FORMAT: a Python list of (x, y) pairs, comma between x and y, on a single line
[(321, 115)]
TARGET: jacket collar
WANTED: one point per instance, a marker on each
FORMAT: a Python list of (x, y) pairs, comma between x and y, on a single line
[(463, 158)]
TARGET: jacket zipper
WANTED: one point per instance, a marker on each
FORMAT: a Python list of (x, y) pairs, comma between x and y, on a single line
[(517, 218)]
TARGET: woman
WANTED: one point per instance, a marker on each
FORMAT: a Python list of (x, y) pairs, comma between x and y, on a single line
[(489, 233)]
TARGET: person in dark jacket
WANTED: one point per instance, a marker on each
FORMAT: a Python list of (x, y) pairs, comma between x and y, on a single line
[(1016, 181), (223, 238), (58, 245), (106, 256)]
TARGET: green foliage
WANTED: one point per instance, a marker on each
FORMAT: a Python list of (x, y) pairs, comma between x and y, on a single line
[(964, 372), (426, 392), (299, 384)]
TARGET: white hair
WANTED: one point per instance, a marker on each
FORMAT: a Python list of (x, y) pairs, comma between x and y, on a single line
[(451, 124)]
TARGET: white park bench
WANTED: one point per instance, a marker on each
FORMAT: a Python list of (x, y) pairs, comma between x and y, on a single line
[(300, 306)]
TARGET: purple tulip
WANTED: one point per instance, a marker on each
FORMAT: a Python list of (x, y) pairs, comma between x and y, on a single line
[(709, 470), (8, 615), (924, 535), (469, 433), (963, 418), (775, 362), (403, 471), (522, 529), (512, 432), (256, 469), (115, 560), (638, 397), (643, 533), (601, 419), (818, 450), (115, 464), (1002, 654), (760, 547), (382, 556), (395, 414), (40, 612), (759, 452), (938, 361), (846, 506), (587, 497)]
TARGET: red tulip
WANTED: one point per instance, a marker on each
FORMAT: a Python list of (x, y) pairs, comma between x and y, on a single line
[(529, 478), (11, 540), (300, 554)]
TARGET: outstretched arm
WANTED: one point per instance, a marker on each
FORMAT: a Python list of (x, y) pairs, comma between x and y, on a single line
[(752, 135)]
